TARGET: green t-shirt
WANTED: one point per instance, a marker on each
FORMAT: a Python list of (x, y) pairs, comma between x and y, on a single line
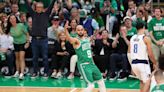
[(100, 21), (159, 88), (74, 35), (157, 26), (132, 31), (84, 52), (19, 33)]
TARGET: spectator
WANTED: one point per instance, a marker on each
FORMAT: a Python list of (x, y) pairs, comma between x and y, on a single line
[(142, 16), (130, 29), (29, 22), (89, 23), (106, 10), (21, 42), (14, 10), (63, 51), (75, 14), (156, 30), (73, 59), (102, 49), (115, 17), (120, 55), (55, 28), (87, 5), (96, 15), (6, 50), (56, 9), (3, 19), (39, 35), (23, 19), (132, 8)]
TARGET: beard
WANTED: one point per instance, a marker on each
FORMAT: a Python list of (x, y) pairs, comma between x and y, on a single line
[(80, 35)]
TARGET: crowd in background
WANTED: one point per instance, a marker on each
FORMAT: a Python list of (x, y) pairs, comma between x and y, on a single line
[(39, 25)]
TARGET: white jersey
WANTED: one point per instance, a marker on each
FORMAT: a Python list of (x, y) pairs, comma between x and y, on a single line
[(138, 48)]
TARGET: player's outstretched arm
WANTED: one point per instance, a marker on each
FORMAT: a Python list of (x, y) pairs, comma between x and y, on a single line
[(73, 41), (149, 49)]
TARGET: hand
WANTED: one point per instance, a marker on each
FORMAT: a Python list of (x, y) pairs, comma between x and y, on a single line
[(123, 34), (66, 26), (117, 36), (26, 45), (66, 53), (155, 67), (159, 43)]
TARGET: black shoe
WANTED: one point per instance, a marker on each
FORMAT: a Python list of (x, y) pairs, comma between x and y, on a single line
[(122, 76), (112, 76), (34, 75), (8, 75)]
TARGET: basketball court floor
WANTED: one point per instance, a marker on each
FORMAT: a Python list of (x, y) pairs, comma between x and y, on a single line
[(62, 85)]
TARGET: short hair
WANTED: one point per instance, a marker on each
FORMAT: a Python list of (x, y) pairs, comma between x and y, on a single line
[(161, 62), (140, 25), (158, 8), (22, 13)]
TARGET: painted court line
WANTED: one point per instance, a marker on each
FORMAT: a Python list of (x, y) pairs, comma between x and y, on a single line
[(61, 88), (73, 90)]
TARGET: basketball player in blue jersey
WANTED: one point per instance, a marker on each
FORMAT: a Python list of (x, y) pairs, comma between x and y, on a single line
[(140, 51)]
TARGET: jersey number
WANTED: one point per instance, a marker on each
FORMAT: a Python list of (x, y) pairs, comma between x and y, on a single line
[(89, 54), (135, 48)]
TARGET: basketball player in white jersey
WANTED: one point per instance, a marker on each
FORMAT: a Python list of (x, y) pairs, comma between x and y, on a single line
[(140, 52), (156, 82)]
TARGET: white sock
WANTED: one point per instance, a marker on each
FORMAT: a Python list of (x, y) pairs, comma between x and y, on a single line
[(101, 85), (89, 88)]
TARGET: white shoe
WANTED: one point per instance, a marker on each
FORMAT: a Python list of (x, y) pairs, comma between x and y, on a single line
[(16, 74), (21, 76), (71, 76), (81, 77), (59, 75), (53, 75)]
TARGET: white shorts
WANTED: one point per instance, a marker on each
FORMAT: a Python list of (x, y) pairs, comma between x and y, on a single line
[(142, 71)]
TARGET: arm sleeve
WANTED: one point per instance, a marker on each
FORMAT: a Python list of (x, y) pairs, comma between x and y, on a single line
[(11, 46), (150, 27), (30, 10), (50, 7)]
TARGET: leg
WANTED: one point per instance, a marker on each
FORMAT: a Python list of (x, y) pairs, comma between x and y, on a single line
[(54, 62), (22, 61), (44, 53), (64, 61), (124, 62), (17, 61), (156, 51), (89, 87), (35, 52), (73, 61), (55, 65), (22, 64), (97, 76), (10, 61), (141, 86), (101, 85), (113, 60)]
